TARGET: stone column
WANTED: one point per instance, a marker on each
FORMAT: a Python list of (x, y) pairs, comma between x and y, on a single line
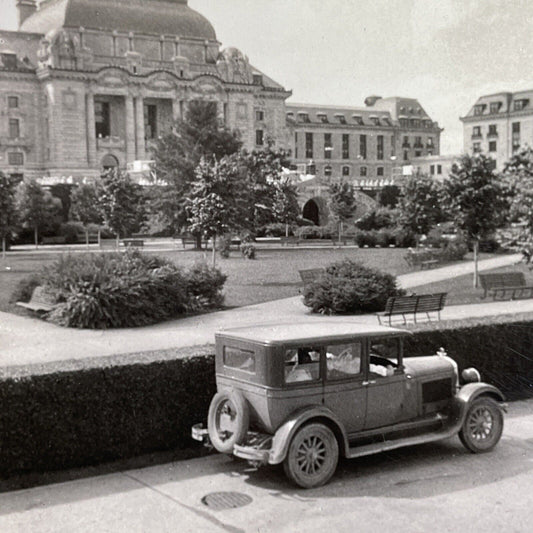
[(130, 129), (91, 130), (139, 127)]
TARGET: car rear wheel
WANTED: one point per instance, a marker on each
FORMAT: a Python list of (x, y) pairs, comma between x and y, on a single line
[(483, 426), (312, 456), (227, 420)]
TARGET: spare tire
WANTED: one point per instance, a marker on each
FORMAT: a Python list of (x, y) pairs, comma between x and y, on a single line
[(228, 420)]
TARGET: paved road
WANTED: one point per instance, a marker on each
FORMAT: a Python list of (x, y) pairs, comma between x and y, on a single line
[(28, 340), (431, 488)]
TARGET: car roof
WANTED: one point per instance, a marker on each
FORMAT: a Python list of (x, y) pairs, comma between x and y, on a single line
[(316, 331)]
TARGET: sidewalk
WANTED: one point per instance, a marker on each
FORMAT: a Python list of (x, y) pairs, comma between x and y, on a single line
[(29, 340)]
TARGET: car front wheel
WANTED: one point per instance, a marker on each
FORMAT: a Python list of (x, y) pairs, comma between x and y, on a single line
[(312, 456), (483, 426)]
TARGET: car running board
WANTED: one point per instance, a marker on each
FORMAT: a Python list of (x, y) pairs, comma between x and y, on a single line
[(449, 430)]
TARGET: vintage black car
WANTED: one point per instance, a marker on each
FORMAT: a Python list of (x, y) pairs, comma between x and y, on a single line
[(303, 394)]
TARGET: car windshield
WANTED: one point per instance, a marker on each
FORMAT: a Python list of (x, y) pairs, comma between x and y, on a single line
[(384, 356)]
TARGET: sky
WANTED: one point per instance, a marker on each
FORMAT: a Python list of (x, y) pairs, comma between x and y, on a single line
[(446, 53)]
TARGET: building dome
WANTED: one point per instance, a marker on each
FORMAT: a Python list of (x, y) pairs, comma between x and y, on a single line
[(159, 17)]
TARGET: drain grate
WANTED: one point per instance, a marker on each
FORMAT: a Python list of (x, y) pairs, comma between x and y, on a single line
[(218, 501)]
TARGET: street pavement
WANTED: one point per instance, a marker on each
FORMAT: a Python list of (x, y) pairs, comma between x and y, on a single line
[(25, 340), (437, 487)]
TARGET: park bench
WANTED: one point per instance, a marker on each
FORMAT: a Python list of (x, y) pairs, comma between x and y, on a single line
[(412, 305), (133, 243), (185, 240), (311, 274), (40, 300), (422, 258), (505, 284)]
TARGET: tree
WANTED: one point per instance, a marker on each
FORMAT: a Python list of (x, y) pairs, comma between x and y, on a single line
[(121, 204), (420, 205), (200, 134), (36, 208), (7, 210), (285, 208), (213, 202), (269, 197), (342, 202), (85, 207), (476, 199), (518, 172)]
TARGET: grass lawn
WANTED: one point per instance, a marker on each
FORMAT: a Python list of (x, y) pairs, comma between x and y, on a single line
[(273, 275), (461, 289)]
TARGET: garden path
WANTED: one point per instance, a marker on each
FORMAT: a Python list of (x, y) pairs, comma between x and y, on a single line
[(26, 340)]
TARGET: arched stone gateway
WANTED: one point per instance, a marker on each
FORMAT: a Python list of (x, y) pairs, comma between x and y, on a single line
[(316, 210)]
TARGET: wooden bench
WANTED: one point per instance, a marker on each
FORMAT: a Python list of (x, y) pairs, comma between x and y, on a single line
[(40, 300), (412, 305), (310, 275), (505, 284), (133, 243)]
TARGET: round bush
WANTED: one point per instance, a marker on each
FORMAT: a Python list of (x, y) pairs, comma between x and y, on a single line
[(348, 287)]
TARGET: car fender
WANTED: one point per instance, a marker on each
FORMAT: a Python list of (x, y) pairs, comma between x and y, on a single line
[(471, 391), (283, 436)]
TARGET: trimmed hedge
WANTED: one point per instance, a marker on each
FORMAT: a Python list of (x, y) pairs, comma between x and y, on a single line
[(84, 417), (116, 408)]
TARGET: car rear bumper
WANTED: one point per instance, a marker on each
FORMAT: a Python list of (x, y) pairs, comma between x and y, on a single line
[(255, 448)]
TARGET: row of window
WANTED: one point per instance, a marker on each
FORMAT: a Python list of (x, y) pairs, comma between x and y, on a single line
[(380, 146), (346, 171), (340, 118), (494, 107)]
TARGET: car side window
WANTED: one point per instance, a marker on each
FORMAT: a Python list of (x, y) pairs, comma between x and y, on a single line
[(384, 355), (343, 360), (302, 364)]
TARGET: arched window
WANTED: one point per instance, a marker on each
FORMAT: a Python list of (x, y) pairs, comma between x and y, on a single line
[(109, 161)]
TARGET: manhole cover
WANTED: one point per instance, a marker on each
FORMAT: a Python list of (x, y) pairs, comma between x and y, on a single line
[(218, 501)]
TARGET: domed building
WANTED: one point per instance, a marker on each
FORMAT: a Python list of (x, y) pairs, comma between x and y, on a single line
[(91, 84)]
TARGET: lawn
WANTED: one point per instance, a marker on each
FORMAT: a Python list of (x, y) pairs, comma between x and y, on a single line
[(273, 275)]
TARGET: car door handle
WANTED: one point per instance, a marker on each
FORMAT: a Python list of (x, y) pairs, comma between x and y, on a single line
[(366, 383)]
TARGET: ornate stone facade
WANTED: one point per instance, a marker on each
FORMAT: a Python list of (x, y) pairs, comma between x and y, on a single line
[(87, 84)]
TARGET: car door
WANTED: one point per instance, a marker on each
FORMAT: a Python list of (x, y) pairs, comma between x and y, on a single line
[(386, 384), (344, 393)]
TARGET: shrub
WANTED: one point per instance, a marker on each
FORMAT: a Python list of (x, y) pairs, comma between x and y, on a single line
[(453, 251), (276, 230), (349, 287), (71, 230), (404, 238), (204, 287), (310, 232), (248, 250), (123, 290), (489, 246), (377, 219), (366, 238), (300, 221), (224, 247)]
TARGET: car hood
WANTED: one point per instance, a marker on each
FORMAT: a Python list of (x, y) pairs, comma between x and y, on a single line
[(427, 366)]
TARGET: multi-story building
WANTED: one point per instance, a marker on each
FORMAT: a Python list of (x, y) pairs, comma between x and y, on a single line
[(90, 84), (499, 124), (364, 145)]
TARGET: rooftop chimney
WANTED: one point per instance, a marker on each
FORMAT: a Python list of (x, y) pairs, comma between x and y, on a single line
[(26, 8)]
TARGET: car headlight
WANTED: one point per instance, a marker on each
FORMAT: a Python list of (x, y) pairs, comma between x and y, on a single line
[(471, 375)]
